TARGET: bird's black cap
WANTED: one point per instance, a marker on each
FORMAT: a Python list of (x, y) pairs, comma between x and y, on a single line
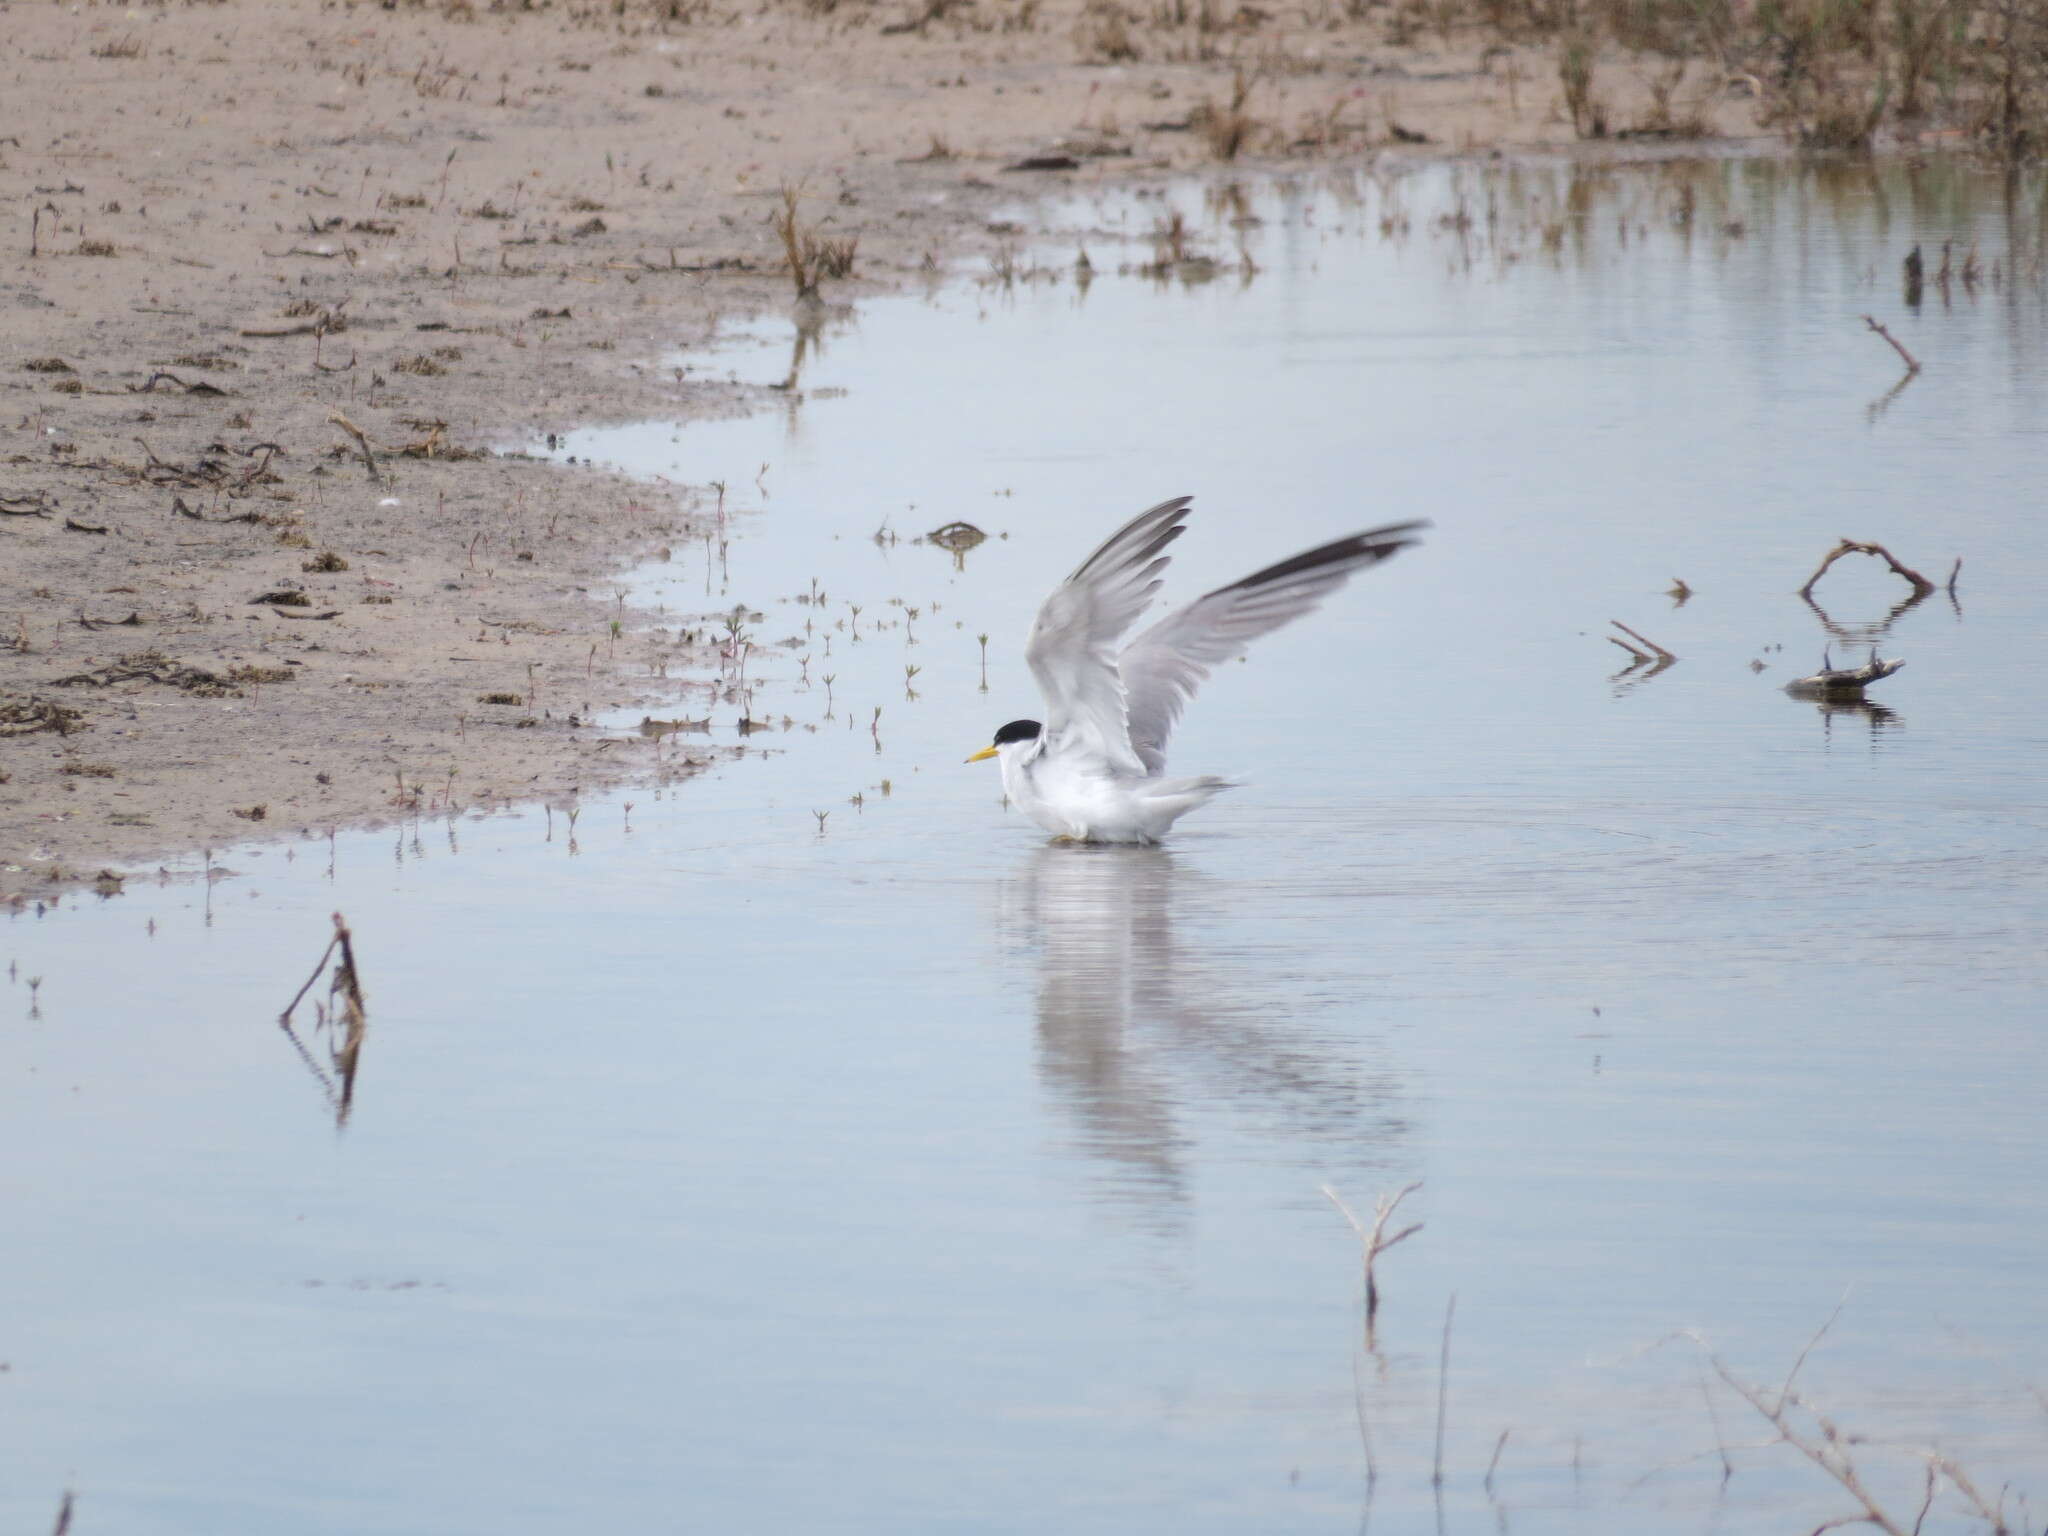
[(1018, 730)]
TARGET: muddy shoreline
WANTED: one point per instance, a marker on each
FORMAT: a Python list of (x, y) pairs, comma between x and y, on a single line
[(288, 279)]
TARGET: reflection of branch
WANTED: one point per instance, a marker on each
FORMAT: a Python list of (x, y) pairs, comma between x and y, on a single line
[(1656, 658), (1883, 402), (1879, 715), (1633, 674), (1864, 634), (1921, 585)]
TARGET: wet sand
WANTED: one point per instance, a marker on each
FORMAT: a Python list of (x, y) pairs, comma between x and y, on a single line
[(289, 283)]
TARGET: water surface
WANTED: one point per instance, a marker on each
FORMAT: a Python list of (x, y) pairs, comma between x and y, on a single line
[(713, 1165)]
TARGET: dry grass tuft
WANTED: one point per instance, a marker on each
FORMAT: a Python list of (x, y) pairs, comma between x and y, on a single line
[(1576, 55), (1227, 129), (809, 255), (1104, 34)]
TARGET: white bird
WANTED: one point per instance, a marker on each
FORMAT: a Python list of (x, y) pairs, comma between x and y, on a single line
[(1094, 771)]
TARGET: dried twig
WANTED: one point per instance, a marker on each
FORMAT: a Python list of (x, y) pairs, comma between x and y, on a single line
[(1375, 1241), (319, 965), (345, 988), (362, 442), (1828, 1450), (1443, 1377), (1656, 649), (1912, 363), (1785, 1391), (1991, 1514), (200, 388), (1921, 585), (793, 250)]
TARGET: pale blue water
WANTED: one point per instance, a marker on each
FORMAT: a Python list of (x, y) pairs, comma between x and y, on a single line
[(719, 1172)]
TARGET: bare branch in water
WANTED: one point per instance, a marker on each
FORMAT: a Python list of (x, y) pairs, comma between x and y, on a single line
[(1375, 1241), (1912, 363), (349, 1013), (1921, 585)]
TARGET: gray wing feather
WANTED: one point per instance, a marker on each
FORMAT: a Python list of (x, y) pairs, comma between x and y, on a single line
[(1162, 667), (1071, 646)]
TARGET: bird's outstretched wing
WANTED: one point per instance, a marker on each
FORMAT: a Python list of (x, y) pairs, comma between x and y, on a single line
[(1071, 649), (1162, 667)]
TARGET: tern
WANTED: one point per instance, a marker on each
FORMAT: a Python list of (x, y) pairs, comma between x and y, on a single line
[(1095, 770)]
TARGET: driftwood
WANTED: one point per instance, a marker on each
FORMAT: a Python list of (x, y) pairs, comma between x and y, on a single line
[(1843, 683), (1921, 585)]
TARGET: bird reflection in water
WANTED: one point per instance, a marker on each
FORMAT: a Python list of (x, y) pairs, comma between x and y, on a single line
[(1139, 1034)]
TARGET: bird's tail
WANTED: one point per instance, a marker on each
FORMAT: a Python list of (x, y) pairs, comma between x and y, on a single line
[(1176, 797)]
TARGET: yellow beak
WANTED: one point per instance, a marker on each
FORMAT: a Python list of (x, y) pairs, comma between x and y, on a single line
[(984, 754)]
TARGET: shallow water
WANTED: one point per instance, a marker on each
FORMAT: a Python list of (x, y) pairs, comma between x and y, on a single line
[(712, 1167)]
